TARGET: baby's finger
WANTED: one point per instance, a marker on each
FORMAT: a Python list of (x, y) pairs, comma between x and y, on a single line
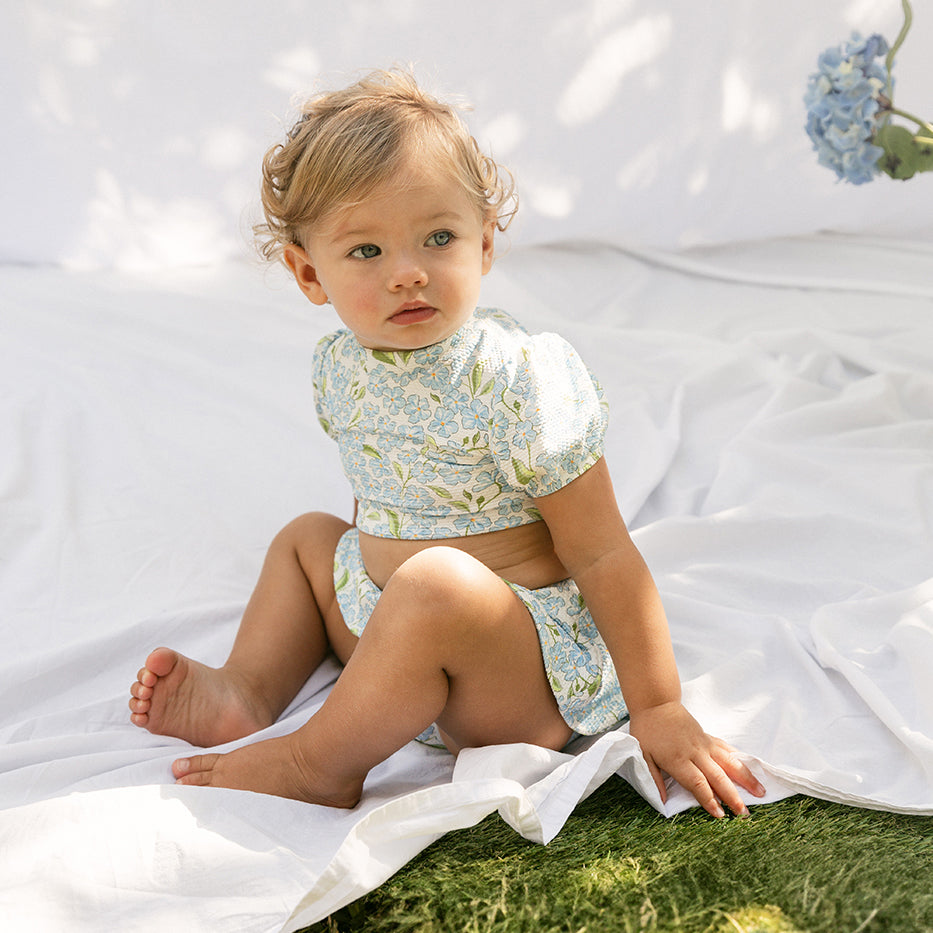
[(658, 778), (726, 790), (739, 773), (693, 779)]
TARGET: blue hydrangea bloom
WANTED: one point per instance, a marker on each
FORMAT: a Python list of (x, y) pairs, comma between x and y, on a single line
[(842, 104)]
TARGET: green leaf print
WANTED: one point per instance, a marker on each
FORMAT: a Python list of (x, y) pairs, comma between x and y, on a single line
[(395, 523), (476, 378), (343, 581), (371, 451), (384, 357), (522, 473), (440, 491)]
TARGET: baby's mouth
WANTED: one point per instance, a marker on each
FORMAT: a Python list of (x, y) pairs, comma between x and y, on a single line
[(413, 314)]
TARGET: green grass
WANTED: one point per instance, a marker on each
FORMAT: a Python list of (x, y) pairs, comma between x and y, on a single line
[(797, 866)]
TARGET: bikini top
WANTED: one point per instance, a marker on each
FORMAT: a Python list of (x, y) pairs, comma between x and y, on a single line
[(458, 437)]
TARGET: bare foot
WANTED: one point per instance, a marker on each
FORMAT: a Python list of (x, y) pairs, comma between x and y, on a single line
[(275, 766), (206, 706)]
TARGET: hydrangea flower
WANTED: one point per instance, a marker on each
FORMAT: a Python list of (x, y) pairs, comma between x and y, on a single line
[(842, 105), (850, 109)]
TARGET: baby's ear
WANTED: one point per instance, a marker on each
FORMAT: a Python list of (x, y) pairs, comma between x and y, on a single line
[(489, 242), (299, 262)]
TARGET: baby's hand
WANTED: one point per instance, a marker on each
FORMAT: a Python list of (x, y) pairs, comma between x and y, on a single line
[(673, 742)]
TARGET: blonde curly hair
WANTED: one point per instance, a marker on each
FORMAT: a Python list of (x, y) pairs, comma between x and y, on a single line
[(347, 143)]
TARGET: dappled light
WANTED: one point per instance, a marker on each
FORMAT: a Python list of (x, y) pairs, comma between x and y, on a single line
[(660, 126), (742, 108), (592, 90)]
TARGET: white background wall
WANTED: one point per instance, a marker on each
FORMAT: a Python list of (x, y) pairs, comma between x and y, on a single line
[(133, 129)]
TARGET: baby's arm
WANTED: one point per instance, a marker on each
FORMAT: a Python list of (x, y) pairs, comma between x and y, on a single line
[(593, 543)]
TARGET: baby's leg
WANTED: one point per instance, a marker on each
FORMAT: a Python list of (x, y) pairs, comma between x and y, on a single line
[(291, 620), (449, 642)]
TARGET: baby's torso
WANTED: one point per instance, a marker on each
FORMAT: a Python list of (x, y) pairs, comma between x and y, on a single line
[(523, 555)]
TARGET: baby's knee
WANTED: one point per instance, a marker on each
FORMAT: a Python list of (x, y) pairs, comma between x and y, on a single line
[(311, 529), (440, 574), (444, 587)]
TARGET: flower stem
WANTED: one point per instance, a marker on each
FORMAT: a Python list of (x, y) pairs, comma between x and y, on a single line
[(901, 36), (909, 116)]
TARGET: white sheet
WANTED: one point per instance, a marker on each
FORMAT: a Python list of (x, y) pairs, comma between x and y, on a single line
[(772, 446)]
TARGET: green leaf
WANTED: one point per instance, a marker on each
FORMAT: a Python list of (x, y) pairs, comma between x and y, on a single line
[(343, 581), (371, 451), (901, 157), (384, 357), (440, 491), (395, 524)]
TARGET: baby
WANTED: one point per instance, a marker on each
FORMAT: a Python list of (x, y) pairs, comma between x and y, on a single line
[(488, 591)]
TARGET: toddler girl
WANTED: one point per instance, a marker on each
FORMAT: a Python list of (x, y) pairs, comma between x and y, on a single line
[(488, 591)]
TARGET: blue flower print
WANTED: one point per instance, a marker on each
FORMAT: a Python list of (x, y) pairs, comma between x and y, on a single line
[(508, 508), (418, 409), (455, 475), (484, 480), (525, 434), (475, 416), (471, 524), (436, 376), (500, 424), (443, 424), (394, 399), (423, 471)]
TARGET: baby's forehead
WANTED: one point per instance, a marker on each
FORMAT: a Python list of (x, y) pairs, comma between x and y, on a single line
[(417, 195)]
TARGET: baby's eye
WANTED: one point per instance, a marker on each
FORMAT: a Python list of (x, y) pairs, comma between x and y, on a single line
[(441, 238), (367, 251)]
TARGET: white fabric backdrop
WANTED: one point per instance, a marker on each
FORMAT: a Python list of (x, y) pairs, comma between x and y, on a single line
[(133, 131)]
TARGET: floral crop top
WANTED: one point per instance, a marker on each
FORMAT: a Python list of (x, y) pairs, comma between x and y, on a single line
[(459, 437)]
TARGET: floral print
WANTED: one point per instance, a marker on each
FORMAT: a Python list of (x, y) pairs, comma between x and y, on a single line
[(459, 437)]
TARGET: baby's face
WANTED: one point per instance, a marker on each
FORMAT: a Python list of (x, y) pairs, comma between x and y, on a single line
[(403, 268)]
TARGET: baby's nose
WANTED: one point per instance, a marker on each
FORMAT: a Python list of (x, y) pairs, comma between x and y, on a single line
[(407, 272)]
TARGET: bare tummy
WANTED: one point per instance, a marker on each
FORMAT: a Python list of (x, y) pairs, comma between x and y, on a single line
[(523, 555)]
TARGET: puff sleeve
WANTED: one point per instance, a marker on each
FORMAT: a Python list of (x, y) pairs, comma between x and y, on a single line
[(548, 419), (325, 375)]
